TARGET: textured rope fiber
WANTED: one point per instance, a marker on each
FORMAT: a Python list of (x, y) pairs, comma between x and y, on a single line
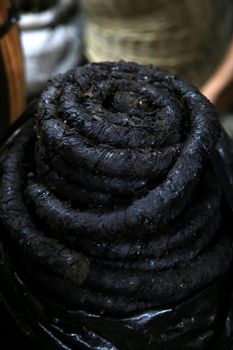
[(113, 193), (188, 37)]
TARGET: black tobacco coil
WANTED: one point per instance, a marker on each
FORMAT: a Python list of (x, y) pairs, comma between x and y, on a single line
[(111, 198)]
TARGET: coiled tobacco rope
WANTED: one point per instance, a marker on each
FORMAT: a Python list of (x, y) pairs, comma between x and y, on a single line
[(111, 197)]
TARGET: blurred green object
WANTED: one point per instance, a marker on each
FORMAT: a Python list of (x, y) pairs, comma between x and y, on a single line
[(186, 36)]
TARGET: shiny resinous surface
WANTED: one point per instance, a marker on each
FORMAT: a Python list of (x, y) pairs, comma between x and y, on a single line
[(114, 219)]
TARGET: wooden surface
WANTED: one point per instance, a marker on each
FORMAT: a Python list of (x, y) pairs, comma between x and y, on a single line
[(12, 59)]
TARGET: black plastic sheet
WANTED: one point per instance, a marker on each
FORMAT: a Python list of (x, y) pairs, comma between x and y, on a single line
[(201, 322)]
